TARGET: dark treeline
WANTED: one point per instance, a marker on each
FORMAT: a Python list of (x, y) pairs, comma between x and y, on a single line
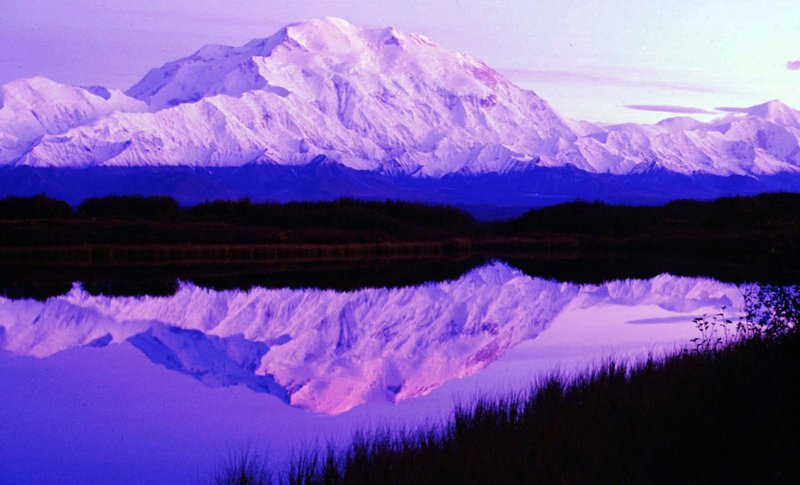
[(736, 213), (747, 229), (395, 220), (342, 213), (579, 216), (43, 221), (137, 245)]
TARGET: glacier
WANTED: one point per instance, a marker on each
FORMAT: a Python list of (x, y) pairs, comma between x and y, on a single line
[(330, 351)]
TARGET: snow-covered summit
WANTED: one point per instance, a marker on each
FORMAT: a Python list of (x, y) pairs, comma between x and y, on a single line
[(774, 111), (376, 99), (325, 46), (371, 99)]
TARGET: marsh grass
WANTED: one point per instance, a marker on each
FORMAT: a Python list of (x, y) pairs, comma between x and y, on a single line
[(731, 415), (725, 411), (243, 468)]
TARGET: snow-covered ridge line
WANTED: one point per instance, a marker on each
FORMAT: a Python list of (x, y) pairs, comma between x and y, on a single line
[(371, 99), (37, 108), (331, 351)]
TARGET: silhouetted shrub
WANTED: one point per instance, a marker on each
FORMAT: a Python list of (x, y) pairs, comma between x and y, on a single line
[(770, 312)]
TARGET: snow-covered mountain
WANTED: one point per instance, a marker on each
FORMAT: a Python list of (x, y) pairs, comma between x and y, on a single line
[(330, 351), (760, 140), (32, 109), (371, 99)]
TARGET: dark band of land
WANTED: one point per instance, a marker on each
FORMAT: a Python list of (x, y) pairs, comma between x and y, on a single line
[(733, 239)]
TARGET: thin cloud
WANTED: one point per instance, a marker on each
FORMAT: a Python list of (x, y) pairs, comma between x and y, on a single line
[(732, 109), (533, 75), (793, 65), (663, 108)]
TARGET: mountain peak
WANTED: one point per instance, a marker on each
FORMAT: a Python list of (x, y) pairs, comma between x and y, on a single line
[(323, 24), (212, 51), (775, 111), (219, 69), (327, 28), (364, 97), (375, 99), (761, 110), (326, 35)]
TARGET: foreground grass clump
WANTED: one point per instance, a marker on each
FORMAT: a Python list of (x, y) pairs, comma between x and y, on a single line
[(243, 468), (716, 414)]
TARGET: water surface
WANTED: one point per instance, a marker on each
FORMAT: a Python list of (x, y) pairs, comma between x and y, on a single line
[(164, 385)]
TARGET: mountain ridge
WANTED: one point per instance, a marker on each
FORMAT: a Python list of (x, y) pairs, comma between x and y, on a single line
[(375, 101)]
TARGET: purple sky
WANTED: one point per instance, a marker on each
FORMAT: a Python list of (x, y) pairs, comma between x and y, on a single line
[(588, 58)]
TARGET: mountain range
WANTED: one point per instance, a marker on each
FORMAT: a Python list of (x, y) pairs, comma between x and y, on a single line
[(324, 109)]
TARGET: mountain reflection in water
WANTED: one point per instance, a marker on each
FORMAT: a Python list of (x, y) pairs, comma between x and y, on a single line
[(42, 281), (329, 350)]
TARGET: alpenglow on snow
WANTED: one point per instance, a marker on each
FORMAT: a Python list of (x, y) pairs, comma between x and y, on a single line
[(331, 351), (377, 100)]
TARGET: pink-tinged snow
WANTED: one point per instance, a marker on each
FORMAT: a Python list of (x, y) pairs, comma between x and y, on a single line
[(331, 351), (371, 99), (33, 108), (110, 415), (365, 97)]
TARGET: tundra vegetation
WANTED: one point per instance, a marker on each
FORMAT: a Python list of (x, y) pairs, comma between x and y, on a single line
[(725, 410)]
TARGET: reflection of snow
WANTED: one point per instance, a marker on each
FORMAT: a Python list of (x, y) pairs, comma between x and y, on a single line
[(104, 414), (331, 351)]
